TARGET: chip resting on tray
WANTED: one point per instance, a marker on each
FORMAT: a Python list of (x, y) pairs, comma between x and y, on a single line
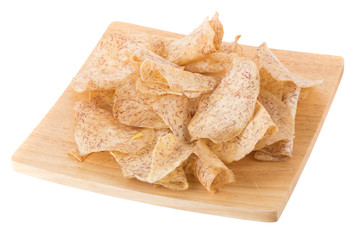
[(167, 108)]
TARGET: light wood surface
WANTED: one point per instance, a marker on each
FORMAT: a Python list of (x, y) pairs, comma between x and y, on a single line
[(261, 190)]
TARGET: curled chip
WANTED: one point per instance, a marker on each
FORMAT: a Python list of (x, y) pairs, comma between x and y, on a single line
[(209, 169), (224, 113), (218, 62), (273, 71), (267, 157), (96, 130), (169, 153), (283, 148), (174, 111), (134, 108), (104, 68), (136, 164), (141, 54), (110, 62), (282, 117), (194, 103), (176, 78), (176, 180), (238, 147), (95, 79), (199, 43), (153, 88), (150, 165)]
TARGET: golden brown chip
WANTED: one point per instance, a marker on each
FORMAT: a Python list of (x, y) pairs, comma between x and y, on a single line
[(218, 62), (282, 117), (134, 108), (174, 111), (96, 130), (102, 97), (209, 169), (176, 78), (244, 143), (199, 43), (224, 114), (169, 153), (273, 71)]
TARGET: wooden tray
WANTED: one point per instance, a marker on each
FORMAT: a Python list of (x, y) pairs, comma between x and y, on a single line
[(261, 190)]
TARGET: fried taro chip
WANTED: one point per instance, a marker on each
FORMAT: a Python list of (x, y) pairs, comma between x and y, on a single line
[(224, 113), (218, 62), (148, 165), (105, 68), (282, 117), (291, 98), (209, 169), (177, 79), (141, 54), (102, 97), (238, 147), (169, 153), (95, 78), (283, 148), (202, 41), (134, 108), (96, 130), (273, 72), (174, 111), (267, 157), (176, 180), (153, 88), (191, 94), (110, 62), (194, 103), (137, 164)]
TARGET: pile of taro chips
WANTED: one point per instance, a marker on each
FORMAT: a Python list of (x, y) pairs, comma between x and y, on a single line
[(167, 108)]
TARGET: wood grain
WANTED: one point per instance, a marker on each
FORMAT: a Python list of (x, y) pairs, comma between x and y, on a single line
[(261, 190)]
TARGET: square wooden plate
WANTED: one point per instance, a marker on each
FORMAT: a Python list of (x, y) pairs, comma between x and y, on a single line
[(261, 190)]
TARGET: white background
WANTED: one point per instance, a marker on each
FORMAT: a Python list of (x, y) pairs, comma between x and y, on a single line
[(43, 45)]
